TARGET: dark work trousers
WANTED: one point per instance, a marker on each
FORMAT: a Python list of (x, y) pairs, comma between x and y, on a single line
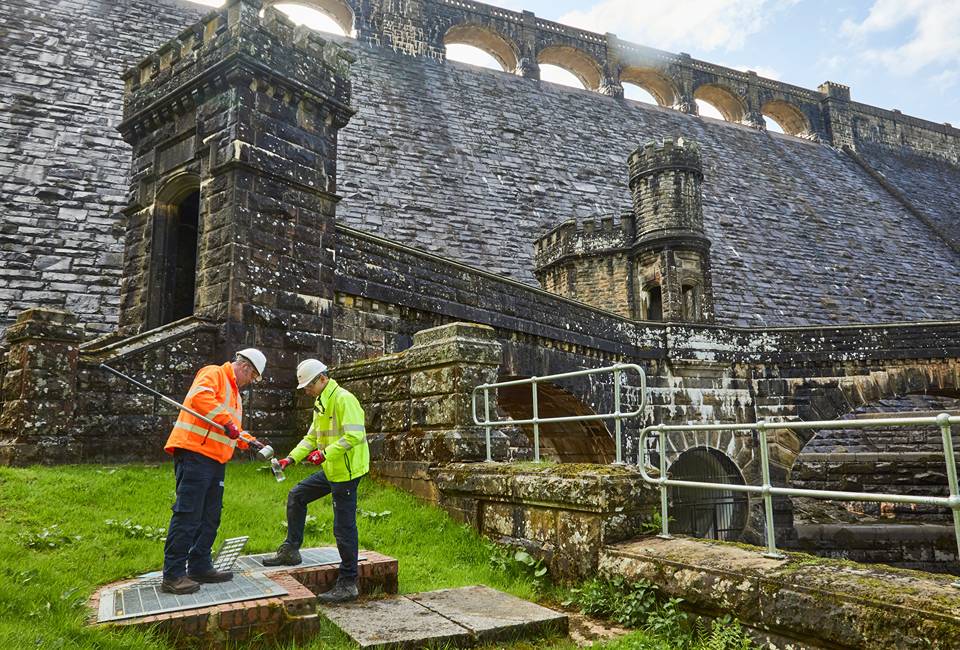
[(316, 487), (196, 514)]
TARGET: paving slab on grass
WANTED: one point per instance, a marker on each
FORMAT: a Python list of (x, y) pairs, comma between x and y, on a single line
[(461, 616)]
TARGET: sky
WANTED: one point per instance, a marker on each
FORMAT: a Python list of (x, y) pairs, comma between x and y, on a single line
[(902, 54)]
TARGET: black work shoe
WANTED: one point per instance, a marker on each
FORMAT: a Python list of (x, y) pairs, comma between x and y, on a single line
[(179, 586), (342, 592), (212, 576), (286, 556)]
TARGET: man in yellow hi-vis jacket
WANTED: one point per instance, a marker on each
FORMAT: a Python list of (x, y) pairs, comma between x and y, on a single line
[(337, 442)]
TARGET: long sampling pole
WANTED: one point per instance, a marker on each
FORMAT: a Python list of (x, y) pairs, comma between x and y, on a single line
[(264, 451)]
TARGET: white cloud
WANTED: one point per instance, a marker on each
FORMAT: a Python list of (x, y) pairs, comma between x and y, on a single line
[(761, 70), (675, 24), (932, 42)]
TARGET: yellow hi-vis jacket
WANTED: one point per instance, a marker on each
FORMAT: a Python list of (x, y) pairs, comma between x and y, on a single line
[(338, 430), (214, 394)]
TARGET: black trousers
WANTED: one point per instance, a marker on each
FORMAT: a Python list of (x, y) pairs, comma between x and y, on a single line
[(196, 514), (344, 493)]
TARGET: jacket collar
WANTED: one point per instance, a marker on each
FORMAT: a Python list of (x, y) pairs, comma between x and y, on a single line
[(324, 398), (228, 371)]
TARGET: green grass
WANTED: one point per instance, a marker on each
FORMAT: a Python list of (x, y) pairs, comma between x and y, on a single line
[(43, 591)]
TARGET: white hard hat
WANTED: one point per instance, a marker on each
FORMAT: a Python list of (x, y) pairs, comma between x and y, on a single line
[(255, 357), (308, 370)]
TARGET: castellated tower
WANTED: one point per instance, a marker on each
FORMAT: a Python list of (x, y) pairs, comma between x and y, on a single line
[(671, 254), (651, 264)]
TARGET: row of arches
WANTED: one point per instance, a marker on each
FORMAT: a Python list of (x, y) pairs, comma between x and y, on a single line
[(483, 46)]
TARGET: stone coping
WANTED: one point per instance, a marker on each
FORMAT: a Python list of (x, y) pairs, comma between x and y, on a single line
[(816, 601)]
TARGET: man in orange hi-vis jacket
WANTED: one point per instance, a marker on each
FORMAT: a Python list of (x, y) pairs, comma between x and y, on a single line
[(200, 453)]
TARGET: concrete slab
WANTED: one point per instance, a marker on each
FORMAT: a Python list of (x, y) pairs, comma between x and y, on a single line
[(491, 615), (395, 623), (461, 617)]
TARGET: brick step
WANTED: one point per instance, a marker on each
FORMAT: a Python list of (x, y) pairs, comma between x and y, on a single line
[(289, 613)]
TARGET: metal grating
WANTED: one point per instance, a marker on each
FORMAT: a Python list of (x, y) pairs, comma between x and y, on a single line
[(144, 598), (311, 557), (228, 553), (223, 560)]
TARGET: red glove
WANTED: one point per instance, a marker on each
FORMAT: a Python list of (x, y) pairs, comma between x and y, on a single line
[(316, 457), (285, 462), (231, 430)]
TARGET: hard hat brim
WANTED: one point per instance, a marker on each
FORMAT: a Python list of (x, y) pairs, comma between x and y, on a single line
[(309, 381)]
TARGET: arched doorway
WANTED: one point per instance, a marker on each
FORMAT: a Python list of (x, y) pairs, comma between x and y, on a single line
[(716, 513)]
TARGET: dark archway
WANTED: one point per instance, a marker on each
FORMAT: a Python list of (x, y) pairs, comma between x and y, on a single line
[(174, 256), (710, 513), (564, 442)]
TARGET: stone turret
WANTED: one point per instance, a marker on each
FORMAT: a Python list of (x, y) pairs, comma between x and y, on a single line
[(651, 264), (671, 254), (589, 262)]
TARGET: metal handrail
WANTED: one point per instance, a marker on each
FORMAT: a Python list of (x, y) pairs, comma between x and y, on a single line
[(536, 420), (943, 420)]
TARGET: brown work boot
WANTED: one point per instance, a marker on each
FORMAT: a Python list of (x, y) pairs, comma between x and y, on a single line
[(212, 576), (286, 556), (179, 586), (342, 592)]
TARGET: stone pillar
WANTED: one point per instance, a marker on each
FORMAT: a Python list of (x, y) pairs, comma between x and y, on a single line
[(753, 116), (39, 389), (837, 118), (527, 65), (242, 110), (446, 363), (610, 84), (418, 403), (671, 254), (410, 27), (685, 101)]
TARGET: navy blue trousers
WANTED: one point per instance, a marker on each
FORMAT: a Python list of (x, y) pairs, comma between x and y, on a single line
[(314, 487), (196, 514)]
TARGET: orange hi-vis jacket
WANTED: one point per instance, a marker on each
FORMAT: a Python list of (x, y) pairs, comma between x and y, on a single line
[(215, 394)]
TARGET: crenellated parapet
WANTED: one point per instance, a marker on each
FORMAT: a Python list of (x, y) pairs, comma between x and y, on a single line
[(602, 236), (206, 57), (652, 265)]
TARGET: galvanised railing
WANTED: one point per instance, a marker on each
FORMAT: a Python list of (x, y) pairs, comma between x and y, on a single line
[(943, 420), (617, 416)]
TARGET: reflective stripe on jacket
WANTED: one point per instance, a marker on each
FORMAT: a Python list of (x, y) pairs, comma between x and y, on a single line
[(338, 428), (215, 394)]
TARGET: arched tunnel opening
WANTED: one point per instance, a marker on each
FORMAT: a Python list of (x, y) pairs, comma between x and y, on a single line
[(562, 442), (716, 513)]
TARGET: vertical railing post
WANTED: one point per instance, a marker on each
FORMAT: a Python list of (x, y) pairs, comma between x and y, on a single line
[(536, 423), (486, 420), (772, 551), (664, 516), (616, 410), (944, 421)]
